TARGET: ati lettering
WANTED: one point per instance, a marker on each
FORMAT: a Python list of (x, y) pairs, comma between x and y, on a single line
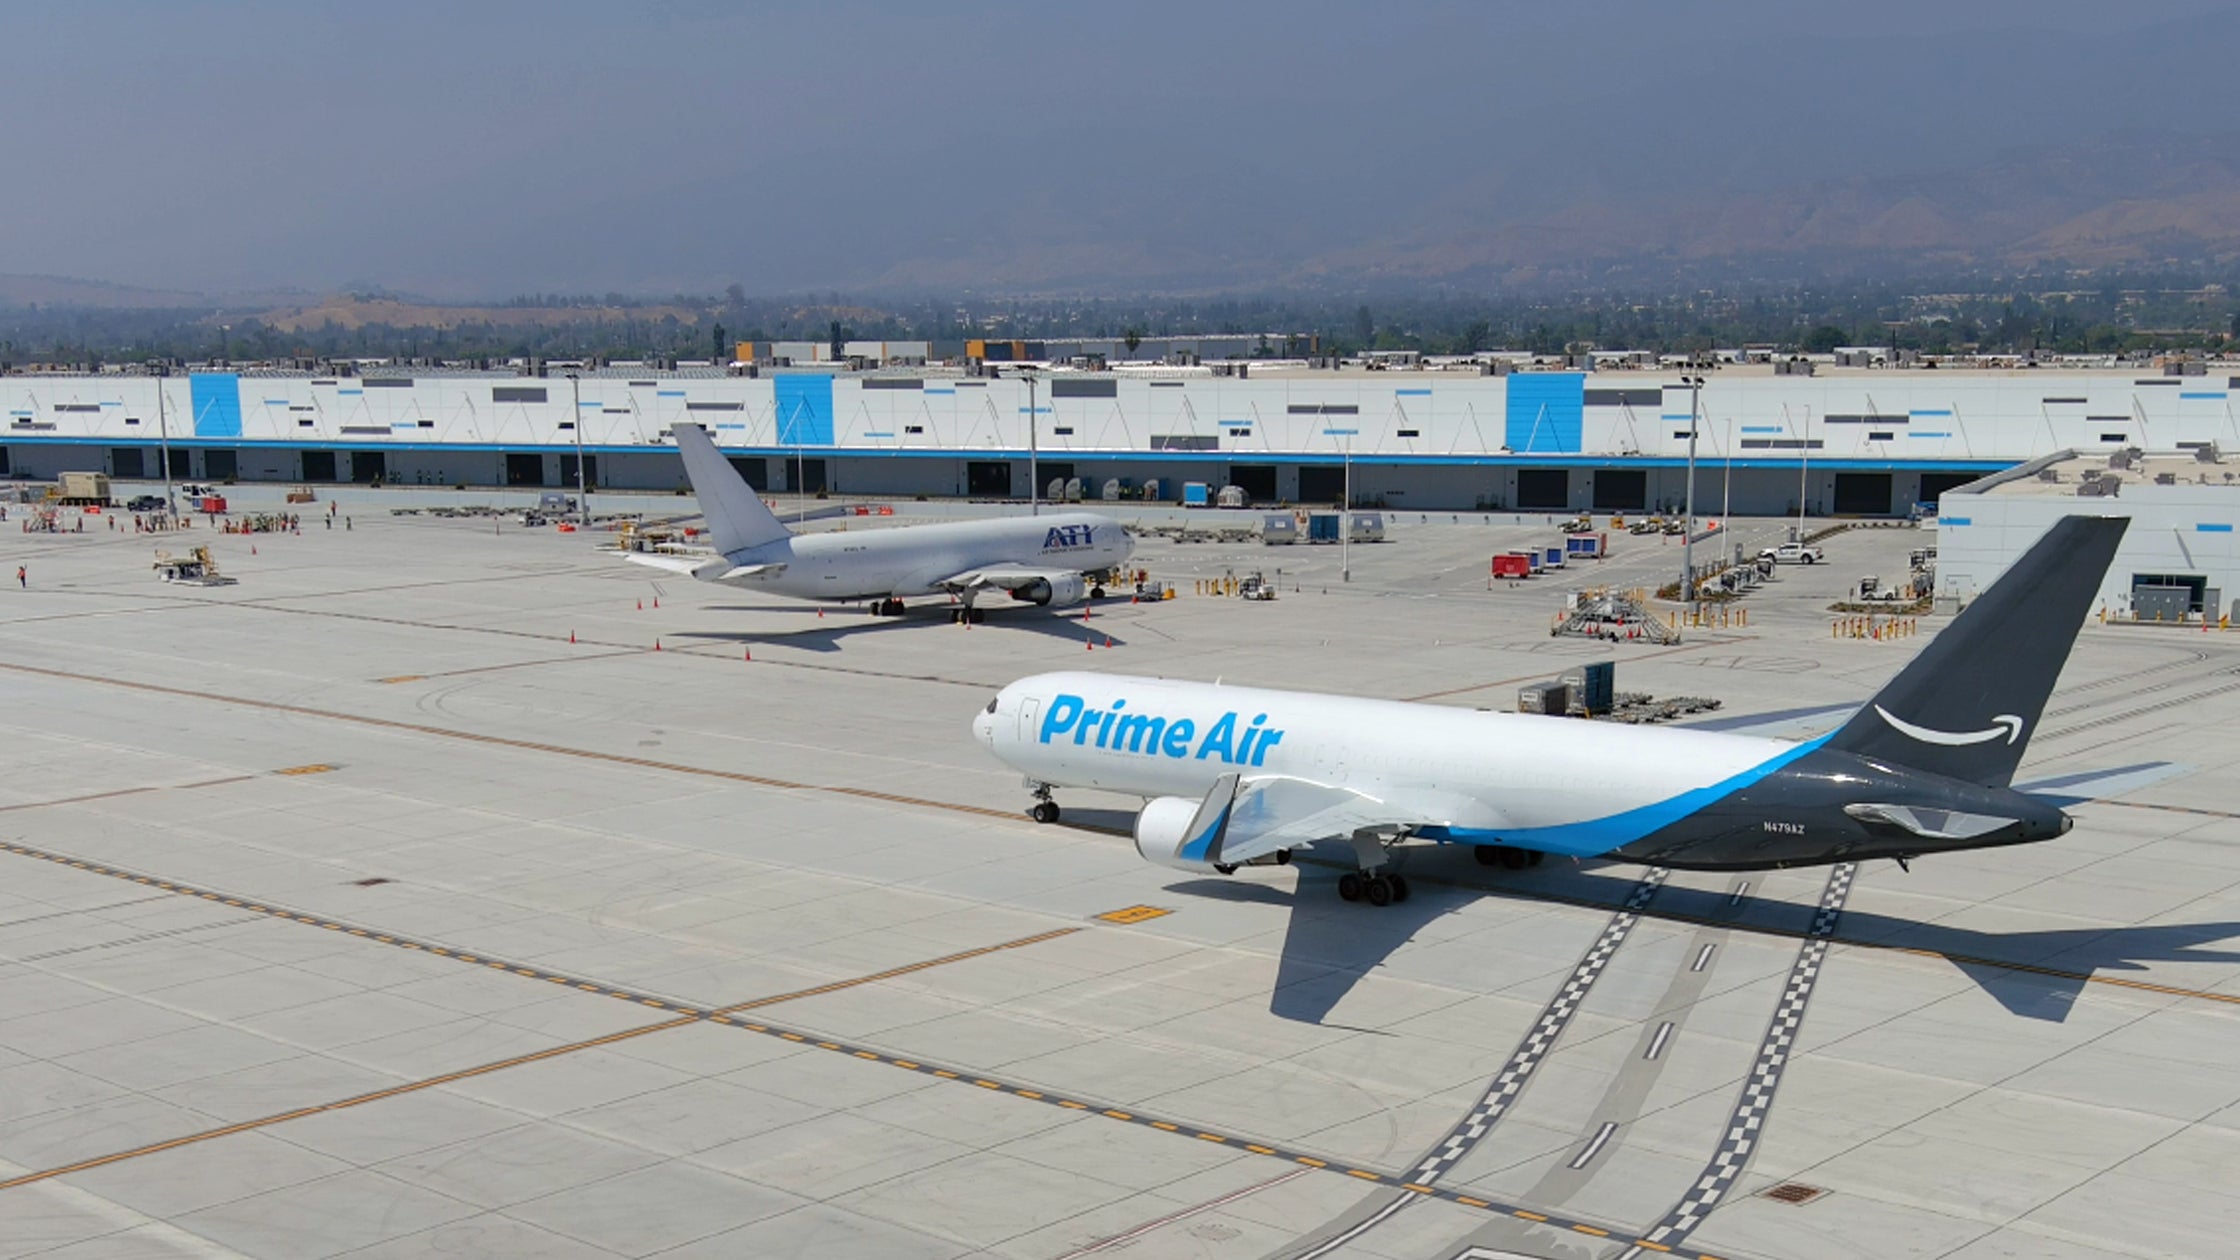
[(1118, 730), (1067, 537)]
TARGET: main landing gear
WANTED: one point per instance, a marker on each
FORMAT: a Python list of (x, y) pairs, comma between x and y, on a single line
[(887, 608), (1372, 883), (1505, 857), (967, 614), (1044, 810)]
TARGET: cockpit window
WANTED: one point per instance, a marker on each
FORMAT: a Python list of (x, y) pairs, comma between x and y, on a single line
[(992, 704)]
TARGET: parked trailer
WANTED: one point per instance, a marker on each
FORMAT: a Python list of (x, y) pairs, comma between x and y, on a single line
[(1513, 565), (1552, 557), (1587, 546)]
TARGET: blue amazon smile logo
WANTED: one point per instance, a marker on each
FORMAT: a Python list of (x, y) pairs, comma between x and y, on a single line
[(1119, 729)]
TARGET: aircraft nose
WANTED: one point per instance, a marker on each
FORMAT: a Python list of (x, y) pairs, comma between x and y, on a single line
[(984, 728)]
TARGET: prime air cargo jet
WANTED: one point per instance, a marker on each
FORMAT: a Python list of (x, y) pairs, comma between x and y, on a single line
[(1051, 560), (1237, 776)]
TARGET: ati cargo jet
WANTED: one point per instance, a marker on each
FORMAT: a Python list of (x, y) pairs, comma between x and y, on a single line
[(1055, 560), (1238, 776)]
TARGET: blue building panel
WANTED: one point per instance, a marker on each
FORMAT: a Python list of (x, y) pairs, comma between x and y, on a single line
[(1545, 413), (216, 398), (804, 410)]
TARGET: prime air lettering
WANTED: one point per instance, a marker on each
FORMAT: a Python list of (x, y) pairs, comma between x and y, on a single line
[(1067, 537), (1118, 730)]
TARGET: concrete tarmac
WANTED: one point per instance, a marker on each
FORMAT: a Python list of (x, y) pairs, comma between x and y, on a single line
[(435, 891)]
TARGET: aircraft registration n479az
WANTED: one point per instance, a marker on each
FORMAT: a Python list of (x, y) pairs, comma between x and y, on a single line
[(1055, 560), (1240, 775)]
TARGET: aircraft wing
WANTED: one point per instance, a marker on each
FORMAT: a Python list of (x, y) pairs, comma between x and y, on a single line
[(1280, 812), (689, 565), (1005, 577)]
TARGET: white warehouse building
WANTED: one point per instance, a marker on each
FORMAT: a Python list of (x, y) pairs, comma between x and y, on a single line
[(1862, 441)]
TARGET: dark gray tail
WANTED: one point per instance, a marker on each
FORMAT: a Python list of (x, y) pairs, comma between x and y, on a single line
[(1968, 704)]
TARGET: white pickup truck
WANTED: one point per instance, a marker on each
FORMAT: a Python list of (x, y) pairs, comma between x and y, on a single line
[(1793, 553)]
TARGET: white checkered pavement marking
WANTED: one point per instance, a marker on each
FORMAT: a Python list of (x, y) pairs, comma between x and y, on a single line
[(1741, 1138)]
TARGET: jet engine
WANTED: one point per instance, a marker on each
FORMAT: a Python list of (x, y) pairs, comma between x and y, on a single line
[(1162, 827), (1056, 592)]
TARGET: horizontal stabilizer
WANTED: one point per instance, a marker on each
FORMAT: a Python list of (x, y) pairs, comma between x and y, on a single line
[(1929, 824), (2064, 790), (689, 565), (747, 572)]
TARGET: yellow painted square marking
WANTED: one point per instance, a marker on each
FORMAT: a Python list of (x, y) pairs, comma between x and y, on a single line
[(1066, 1102), (943, 1073), (1161, 1124), (721, 1019), (1119, 1115), (658, 1005), (866, 1054), (1133, 914), (1211, 1137), (987, 1085), (313, 768), (1027, 1093), (1653, 1246), (826, 1045), (403, 678), (757, 1028), (1409, 1185), (906, 1064)]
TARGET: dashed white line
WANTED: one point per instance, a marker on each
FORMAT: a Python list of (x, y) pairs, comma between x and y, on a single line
[(1656, 1044), (1594, 1147), (1703, 958)]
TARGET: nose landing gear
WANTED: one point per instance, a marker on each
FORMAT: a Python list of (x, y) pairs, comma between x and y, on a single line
[(1044, 810)]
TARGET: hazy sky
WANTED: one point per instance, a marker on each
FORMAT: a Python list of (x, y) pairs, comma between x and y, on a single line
[(486, 149)]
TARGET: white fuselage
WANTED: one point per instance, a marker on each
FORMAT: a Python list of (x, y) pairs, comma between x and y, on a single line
[(1495, 771), (913, 559)]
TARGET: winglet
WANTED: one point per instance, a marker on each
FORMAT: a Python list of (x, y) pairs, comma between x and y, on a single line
[(1210, 826), (738, 520)]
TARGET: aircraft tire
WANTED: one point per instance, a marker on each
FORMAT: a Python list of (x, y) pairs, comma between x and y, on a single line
[(1537, 858), (1044, 812), (1096, 592), (1349, 887), (1379, 891), (1486, 854), (1515, 859), (1399, 887)]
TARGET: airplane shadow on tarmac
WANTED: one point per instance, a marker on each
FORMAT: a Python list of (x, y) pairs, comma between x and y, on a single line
[(1329, 945), (829, 633)]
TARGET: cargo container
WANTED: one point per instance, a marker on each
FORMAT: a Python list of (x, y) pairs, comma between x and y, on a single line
[(1368, 527), (1279, 529), (1550, 698), (1587, 546), (1594, 686), (1513, 565), (1196, 494), (1324, 527), (1551, 557), (82, 487)]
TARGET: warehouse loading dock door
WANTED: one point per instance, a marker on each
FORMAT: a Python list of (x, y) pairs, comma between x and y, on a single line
[(752, 469), (318, 466), (1320, 483), (1862, 494), (987, 478), (524, 470), (1621, 491), (367, 467), (1544, 488), (1258, 481), (568, 470), (218, 465)]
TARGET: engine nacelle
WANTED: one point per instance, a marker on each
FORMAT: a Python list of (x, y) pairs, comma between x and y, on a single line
[(1058, 592), (1161, 828)]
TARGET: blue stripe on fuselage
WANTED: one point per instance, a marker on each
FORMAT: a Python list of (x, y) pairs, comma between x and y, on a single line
[(1597, 836)]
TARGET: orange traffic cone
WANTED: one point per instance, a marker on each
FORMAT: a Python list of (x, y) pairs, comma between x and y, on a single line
[(657, 601), (641, 605), (1089, 646), (749, 652), (571, 636), (1086, 609), (657, 645), (1108, 640)]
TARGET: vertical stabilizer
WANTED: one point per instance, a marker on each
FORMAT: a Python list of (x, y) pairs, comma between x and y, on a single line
[(1967, 705), (738, 520)]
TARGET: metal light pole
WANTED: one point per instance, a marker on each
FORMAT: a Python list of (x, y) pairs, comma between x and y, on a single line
[(583, 491), (1345, 521), (1688, 539), (1726, 485), (163, 430), (1034, 450), (1804, 467)]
